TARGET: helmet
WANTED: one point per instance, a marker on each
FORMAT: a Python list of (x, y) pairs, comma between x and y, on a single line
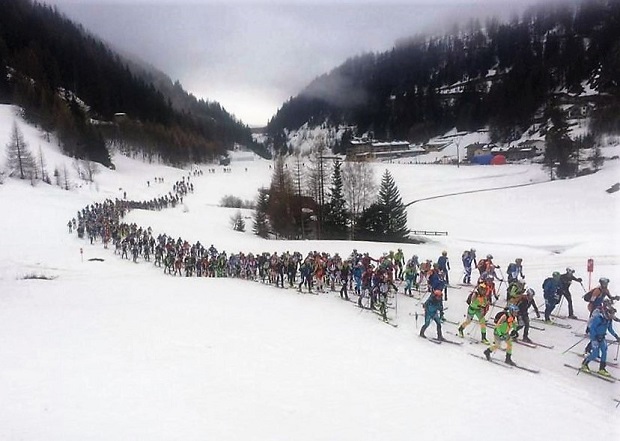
[(604, 281), (473, 250), (569, 270), (518, 260), (444, 253), (489, 256), (530, 292), (555, 274), (415, 257)]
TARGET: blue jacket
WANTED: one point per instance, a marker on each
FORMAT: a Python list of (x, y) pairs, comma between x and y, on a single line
[(443, 263), (599, 326), (436, 282), (550, 287)]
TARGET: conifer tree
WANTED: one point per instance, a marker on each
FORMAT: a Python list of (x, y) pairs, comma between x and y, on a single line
[(559, 146), (281, 193), (19, 157), (261, 224), (336, 220), (393, 212)]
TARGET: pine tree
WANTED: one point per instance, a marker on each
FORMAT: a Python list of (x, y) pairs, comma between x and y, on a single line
[(281, 193), (393, 212), (336, 220), (261, 224), (19, 157), (560, 148)]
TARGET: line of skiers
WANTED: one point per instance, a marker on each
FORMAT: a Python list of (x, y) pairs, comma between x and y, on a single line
[(372, 280)]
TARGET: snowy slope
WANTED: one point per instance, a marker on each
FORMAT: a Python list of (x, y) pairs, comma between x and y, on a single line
[(116, 350)]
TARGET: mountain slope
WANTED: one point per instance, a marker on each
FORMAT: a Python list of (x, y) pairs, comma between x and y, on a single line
[(499, 74), (65, 78)]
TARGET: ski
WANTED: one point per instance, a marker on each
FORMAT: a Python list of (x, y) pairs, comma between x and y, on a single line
[(617, 401), (543, 345), (431, 340), (565, 317), (527, 369), (553, 323), (510, 366), (596, 360), (394, 325), (452, 342), (471, 340), (524, 343), (592, 373), (492, 360)]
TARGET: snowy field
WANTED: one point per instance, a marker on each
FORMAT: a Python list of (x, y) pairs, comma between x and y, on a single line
[(114, 350)]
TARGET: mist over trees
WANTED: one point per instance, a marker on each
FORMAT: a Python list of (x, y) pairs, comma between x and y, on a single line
[(495, 74)]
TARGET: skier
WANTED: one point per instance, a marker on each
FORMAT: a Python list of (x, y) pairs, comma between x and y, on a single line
[(505, 330), (478, 307), (486, 267), (523, 303), (399, 261), (443, 263), (433, 311), (345, 271), (515, 270), (467, 260), (600, 323), (564, 289), (550, 293), (410, 274), (596, 296)]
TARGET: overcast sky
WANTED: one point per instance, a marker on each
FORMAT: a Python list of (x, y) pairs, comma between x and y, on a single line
[(252, 55)]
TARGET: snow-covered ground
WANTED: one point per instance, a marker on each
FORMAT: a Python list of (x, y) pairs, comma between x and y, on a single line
[(114, 350)]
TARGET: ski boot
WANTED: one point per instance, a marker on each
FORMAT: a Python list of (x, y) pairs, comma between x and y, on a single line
[(584, 367), (422, 332), (440, 334), (526, 339), (487, 354), (602, 371), (484, 340), (461, 332), (509, 361)]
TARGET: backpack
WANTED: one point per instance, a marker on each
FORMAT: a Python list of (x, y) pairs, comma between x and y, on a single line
[(498, 316), (588, 296), (469, 297)]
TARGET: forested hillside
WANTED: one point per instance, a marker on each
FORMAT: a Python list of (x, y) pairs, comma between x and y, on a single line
[(500, 74), (73, 85)]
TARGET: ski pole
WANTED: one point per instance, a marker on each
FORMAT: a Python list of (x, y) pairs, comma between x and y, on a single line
[(617, 351), (560, 304), (583, 338)]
